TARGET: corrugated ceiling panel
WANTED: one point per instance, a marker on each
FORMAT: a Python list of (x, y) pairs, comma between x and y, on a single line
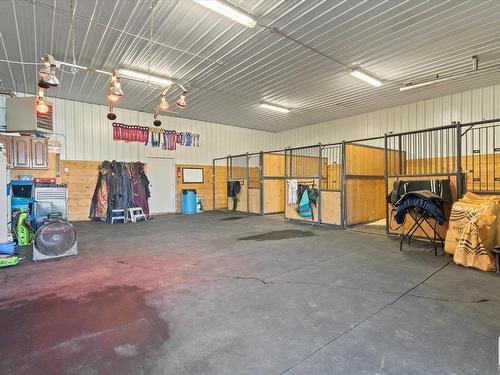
[(229, 69)]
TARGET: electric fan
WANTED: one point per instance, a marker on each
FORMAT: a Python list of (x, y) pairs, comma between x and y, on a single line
[(55, 239)]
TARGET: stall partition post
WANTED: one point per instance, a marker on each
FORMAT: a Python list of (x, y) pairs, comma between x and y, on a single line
[(248, 182), (228, 175), (459, 160), (343, 187), (386, 181), (400, 154), (261, 183), (320, 179), (213, 184)]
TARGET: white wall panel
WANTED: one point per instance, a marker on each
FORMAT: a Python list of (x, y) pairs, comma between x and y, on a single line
[(86, 134), (472, 105)]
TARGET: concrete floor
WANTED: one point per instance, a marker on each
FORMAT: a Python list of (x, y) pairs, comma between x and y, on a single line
[(218, 294)]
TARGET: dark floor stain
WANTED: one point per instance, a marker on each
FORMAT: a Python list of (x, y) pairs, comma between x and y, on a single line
[(231, 218), (103, 332), (278, 235)]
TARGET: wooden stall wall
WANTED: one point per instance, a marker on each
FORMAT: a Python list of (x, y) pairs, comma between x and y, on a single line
[(330, 207), (333, 179), (204, 189), (254, 190), (274, 189), (365, 187), (220, 188)]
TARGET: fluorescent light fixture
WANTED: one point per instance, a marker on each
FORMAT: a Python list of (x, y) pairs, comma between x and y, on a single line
[(144, 77), (229, 11), (274, 108), (366, 77)]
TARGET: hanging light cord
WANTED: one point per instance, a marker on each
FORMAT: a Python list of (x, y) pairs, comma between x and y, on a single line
[(72, 31)]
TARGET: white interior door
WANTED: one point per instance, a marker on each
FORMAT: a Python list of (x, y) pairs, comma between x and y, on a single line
[(161, 174)]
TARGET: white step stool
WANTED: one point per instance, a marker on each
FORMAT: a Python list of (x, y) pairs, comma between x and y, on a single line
[(135, 213), (118, 215)]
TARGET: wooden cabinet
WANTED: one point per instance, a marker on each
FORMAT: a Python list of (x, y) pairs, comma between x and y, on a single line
[(39, 153), (26, 152), (21, 152), (7, 142)]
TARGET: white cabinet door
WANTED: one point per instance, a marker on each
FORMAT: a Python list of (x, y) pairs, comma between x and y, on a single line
[(161, 174)]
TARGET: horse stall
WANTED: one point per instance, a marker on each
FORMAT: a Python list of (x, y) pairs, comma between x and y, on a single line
[(304, 166), (364, 184), (462, 156)]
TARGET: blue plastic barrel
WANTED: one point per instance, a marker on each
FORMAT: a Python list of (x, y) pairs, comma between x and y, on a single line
[(7, 247), (188, 201)]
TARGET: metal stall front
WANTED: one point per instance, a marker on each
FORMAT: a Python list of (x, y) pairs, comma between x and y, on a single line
[(458, 157), (303, 170), (332, 186)]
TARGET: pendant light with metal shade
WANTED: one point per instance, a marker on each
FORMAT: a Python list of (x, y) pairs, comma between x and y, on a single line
[(47, 73), (115, 91), (181, 103), (164, 106)]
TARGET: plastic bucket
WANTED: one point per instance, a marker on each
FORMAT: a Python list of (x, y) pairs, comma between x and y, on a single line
[(188, 201)]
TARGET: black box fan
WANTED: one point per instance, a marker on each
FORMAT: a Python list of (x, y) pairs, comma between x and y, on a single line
[(54, 239)]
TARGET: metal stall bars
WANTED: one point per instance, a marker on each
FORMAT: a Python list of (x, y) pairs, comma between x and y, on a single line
[(332, 184), (479, 151), (272, 182), (305, 165), (220, 172), (364, 199), (422, 155)]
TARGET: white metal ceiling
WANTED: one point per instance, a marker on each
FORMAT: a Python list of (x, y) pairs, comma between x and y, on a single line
[(229, 69)]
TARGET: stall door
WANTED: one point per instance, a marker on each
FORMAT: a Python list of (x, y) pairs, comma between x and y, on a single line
[(161, 174)]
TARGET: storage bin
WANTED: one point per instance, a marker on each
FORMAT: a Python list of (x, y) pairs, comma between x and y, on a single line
[(188, 201)]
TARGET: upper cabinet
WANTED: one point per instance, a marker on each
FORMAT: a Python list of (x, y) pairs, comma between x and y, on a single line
[(26, 152), (21, 152), (7, 143), (39, 153)]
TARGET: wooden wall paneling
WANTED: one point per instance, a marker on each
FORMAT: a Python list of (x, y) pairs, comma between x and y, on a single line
[(274, 196), (254, 200), (333, 180), (330, 207), (220, 187), (365, 200), (204, 189), (274, 165)]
